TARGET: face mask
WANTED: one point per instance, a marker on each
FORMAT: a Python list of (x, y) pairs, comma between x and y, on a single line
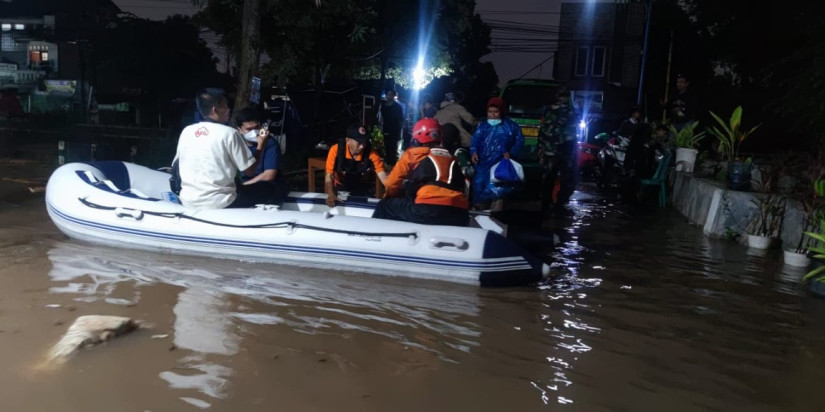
[(494, 122), (251, 136)]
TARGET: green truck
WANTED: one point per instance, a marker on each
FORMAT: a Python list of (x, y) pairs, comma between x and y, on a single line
[(527, 100)]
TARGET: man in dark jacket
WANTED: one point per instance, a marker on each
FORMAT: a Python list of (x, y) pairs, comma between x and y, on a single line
[(392, 118), (682, 107), (630, 124)]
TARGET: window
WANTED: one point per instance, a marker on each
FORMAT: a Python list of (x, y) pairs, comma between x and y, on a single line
[(44, 56), (599, 60), (20, 27), (586, 101), (7, 43), (581, 61), (6, 27)]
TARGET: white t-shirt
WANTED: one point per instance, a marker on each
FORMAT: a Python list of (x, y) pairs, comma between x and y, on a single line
[(210, 156)]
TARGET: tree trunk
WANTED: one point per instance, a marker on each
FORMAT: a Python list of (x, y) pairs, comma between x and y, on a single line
[(320, 130), (249, 58)]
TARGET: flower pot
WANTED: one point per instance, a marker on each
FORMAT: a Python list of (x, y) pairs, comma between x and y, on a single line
[(739, 176), (685, 159), (794, 259), (759, 242)]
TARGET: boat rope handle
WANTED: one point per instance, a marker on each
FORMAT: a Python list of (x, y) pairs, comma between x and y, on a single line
[(258, 226)]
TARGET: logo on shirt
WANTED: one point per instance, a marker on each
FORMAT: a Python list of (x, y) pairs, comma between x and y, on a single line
[(201, 132)]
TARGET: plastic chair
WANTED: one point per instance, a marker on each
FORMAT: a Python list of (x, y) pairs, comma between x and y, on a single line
[(659, 179)]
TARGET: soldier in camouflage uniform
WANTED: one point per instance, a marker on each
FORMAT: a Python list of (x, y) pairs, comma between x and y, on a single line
[(557, 152)]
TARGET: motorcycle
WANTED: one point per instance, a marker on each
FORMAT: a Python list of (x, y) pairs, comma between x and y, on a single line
[(588, 160), (611, 166)]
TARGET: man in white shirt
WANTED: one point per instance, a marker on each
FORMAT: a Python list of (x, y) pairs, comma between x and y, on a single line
[(210, 155)]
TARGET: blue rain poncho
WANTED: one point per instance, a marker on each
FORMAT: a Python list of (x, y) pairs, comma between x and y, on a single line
[(490, 143)]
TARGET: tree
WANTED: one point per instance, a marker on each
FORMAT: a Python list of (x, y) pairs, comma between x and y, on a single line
[(768, 53), (250, 53), (798, 82), (162, 59), (240, 27), (353, 38)]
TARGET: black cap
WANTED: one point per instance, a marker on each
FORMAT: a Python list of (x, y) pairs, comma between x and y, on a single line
[(354, 132)]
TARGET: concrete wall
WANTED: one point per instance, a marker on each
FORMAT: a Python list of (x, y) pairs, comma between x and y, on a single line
[(710, 204)]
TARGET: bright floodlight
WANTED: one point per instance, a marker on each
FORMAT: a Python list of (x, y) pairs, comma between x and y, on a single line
[(418, 77), (582, 124)]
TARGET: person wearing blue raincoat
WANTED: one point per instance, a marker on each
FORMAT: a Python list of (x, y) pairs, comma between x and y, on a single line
[(497, 137)]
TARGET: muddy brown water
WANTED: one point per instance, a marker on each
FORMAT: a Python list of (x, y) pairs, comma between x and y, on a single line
[(646, 315)]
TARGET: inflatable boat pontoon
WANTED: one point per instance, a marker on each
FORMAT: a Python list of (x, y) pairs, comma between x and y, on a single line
[(122, 204)]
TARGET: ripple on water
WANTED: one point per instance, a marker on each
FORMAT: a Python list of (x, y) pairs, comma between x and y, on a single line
[(645, 314)]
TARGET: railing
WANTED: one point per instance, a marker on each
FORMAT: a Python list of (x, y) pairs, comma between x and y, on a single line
[(28, 76)]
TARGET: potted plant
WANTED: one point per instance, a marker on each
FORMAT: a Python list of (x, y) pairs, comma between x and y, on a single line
[(765, 225), (812, 213), (730, 135), (686, 140), (818, 251), (377, 140), (799, 257)]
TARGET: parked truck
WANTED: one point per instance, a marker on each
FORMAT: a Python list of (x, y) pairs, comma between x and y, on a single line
[(527, 100)]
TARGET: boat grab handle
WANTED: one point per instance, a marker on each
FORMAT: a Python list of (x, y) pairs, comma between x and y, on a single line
[(134, 214), (440, 242)]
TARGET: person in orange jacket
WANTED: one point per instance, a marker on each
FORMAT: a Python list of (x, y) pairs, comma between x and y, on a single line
[(434, 191), (351, 164)]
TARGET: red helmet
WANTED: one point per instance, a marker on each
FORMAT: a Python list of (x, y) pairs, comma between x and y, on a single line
[(426, 131)]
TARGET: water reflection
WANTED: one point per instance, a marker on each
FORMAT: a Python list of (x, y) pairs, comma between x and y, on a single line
[(219, 297), (207, 378), (646, 313), (203, 323)]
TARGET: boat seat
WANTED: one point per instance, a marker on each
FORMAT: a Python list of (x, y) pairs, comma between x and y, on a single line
[(109, 186), (115, 171)]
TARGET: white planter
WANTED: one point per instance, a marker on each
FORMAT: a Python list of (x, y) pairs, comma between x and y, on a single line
[(759, 242), (794, 259), (685, 159)]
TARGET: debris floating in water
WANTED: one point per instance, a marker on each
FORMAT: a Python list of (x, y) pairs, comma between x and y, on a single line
[(87, 331)]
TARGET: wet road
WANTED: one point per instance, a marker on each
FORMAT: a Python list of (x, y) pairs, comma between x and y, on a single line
[(646, 315)]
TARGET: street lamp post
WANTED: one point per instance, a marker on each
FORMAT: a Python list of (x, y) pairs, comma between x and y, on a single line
[(644, 52)]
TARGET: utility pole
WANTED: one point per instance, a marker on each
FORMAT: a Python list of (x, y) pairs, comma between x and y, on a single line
[(644, 51), (667, 76)]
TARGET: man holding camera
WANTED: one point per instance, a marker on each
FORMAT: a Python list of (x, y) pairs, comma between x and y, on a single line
[(209, 156)]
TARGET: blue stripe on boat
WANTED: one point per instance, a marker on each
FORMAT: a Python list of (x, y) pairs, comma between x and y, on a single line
[(507, 263)]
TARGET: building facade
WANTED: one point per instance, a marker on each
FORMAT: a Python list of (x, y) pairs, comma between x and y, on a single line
[(599, 58), (42, 41)]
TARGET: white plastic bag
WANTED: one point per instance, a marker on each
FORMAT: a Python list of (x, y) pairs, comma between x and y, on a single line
[(507, 176)]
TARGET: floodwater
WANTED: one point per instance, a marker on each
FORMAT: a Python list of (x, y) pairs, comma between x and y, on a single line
[(646, 315)]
